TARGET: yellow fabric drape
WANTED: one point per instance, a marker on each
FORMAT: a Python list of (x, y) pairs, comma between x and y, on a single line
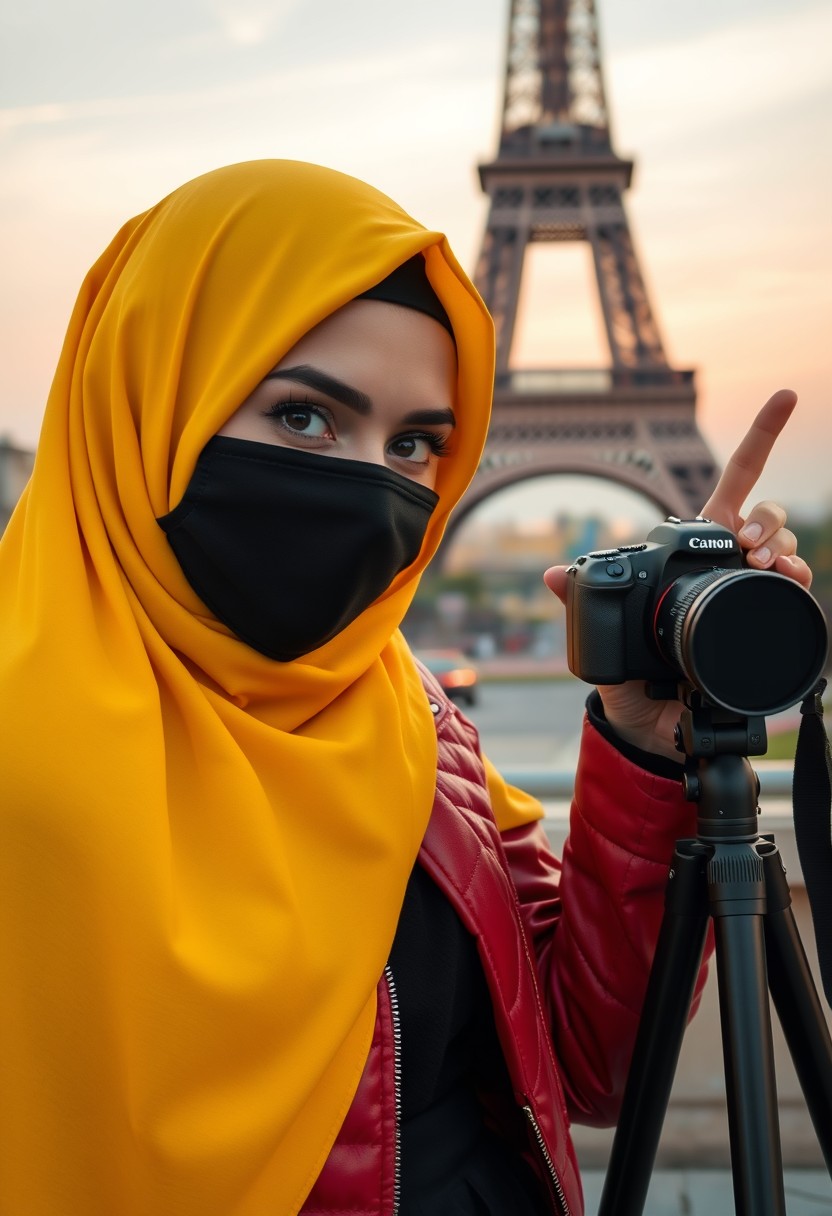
[(203, 853)]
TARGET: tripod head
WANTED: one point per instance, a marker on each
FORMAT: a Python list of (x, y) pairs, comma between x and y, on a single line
[(716, 743), (705, 730)]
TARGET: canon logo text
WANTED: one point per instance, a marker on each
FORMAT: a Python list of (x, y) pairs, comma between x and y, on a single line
[(710, 542)]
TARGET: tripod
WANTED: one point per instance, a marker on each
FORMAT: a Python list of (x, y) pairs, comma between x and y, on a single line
[(730, 874)]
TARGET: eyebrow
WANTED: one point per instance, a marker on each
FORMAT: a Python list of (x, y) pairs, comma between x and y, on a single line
[(313, 377), (430, 418)]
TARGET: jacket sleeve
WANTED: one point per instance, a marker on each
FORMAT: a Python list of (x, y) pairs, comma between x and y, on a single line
[(593, 918)]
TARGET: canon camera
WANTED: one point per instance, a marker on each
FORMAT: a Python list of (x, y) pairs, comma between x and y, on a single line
[(683, 607)]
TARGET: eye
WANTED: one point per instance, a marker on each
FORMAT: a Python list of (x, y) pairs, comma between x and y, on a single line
[(305, 420), (419, 448)]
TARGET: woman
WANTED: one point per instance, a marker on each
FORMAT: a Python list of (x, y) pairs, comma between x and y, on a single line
[(238, 820)]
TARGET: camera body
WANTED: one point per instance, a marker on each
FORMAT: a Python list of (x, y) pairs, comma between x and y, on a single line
[(614, 624)]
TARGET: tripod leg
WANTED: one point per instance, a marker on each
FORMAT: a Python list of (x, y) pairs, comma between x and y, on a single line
[(756, 1159), (659, 1040), (796, 1000)]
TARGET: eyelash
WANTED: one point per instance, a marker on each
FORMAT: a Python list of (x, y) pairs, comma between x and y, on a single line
[(279, 409), (436, 441)]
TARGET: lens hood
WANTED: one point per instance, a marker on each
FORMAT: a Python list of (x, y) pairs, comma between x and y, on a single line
[(752, 641)]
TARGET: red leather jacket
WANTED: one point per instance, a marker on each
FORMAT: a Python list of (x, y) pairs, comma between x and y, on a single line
[(566, 947)]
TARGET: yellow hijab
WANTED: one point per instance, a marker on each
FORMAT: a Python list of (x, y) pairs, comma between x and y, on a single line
[(203, 853)]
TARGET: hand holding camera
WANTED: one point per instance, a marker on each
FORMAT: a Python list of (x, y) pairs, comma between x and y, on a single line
[(691, 604)]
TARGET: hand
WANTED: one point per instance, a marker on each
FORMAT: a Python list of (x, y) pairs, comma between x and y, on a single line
[(768, 545)]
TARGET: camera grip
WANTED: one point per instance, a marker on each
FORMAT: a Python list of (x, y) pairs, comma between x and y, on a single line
[(595, 634)]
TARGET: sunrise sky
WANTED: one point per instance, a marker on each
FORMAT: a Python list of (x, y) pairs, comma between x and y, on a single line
[(726, 106)]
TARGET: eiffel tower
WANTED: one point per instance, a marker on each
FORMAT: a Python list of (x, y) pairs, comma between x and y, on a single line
[(557, 178)]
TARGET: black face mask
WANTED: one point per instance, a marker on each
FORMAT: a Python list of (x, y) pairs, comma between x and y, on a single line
[(288, 547)]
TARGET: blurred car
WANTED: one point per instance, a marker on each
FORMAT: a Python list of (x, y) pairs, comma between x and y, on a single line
[(454, 671)]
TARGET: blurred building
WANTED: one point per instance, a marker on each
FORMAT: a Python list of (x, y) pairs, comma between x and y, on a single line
[(488, 597), (15, 469)]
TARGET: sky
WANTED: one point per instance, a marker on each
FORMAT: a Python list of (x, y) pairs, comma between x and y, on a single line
[(725, 105)]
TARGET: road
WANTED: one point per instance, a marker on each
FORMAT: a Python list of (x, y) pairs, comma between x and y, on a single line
[(538, 722), (532, 722)]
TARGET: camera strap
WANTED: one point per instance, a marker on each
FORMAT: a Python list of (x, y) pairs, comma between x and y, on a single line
[(812, 801)]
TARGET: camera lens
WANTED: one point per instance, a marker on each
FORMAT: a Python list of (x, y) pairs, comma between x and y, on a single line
[(751, 641)]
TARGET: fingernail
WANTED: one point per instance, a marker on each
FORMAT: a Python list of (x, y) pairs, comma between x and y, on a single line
[(762, 556), (752, 532)]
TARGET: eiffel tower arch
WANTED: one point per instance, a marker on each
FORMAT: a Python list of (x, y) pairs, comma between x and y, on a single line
[(556, 178)]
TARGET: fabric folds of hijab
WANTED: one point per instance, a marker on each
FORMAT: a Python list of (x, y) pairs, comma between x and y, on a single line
[(202, 853)]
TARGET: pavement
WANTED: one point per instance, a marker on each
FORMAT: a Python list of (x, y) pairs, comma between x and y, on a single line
[(694, 1192)]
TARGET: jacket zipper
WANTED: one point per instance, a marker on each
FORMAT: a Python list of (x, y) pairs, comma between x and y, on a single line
[(541, 1144), (397, 1088)]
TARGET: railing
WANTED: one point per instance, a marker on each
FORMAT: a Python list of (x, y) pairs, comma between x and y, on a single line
[(534, 138), (588, 379), (557, 784)]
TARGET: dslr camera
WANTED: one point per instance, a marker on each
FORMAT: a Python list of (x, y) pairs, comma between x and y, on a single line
[(683, 608)]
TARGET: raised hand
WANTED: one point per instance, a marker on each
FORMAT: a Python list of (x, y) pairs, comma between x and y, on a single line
[(767, 543)]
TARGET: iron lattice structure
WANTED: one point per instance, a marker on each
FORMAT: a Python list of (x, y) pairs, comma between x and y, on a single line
[(556, 177)]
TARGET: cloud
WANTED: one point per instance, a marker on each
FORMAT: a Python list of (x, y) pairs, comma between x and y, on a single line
[(232, 24), (664, 93), (414, 66)]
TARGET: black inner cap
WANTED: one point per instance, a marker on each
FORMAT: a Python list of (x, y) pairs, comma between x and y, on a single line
[(409, 286)]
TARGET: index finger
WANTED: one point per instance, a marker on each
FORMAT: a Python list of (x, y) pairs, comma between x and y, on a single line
[(744, 467)]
